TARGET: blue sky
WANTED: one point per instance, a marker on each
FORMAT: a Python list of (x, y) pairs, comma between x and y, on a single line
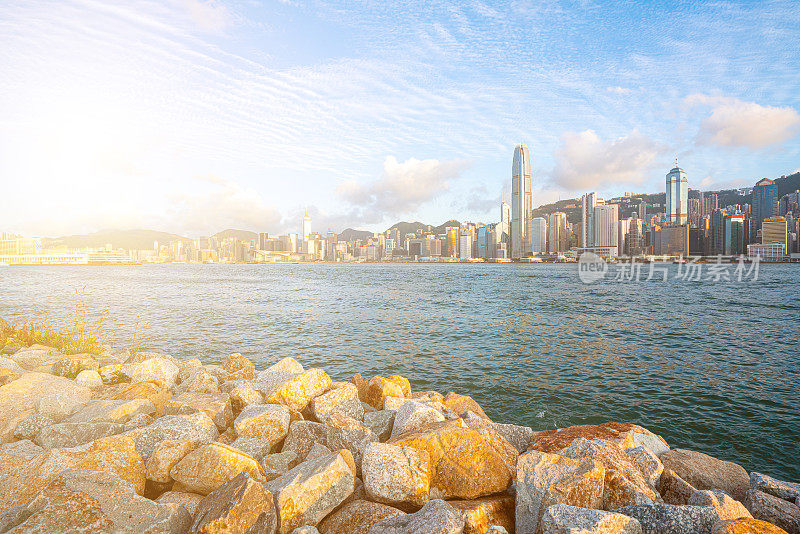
[(192, 116)]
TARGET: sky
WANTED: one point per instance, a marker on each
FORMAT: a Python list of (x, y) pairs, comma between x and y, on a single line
[(193, 116)]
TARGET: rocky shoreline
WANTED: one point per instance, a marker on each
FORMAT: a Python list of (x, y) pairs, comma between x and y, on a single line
[(145, 442)]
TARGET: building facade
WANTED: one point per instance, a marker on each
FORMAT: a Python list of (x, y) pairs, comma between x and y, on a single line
[(521, 203), (765, 197), (677, 196)]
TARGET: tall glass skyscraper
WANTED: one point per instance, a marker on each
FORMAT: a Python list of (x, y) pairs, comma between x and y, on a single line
[(765, 195), (677, 196), (587, 218), (521, 203)]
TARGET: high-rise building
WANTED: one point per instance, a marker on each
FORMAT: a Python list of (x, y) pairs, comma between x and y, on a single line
[(677, 196), (717, 236), (306, 227), (642, 211), (765, 197), (539, 236), (622, 235), (606, 218), (734, 235), (465, 244), (505, 223), (521, 203), (587, 218), (775, 230), (482, 242), (557, 234)]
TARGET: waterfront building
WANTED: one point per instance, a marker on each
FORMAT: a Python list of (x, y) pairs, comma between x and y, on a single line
[(734, 235), (671, 240), (505, 223), (481, 238), (775, 230), (465, 245), (677, 196), (588, 202), (521, 203), (765, 198), (451, 239), (605, 221), (695, 212), (539, 235), (717, 232), (642, 213), (557, 233), (698, 242), (306, 227), (767, 251), (622, 234)]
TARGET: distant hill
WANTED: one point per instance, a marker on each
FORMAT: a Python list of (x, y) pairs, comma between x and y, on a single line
[(243, 235), (127, 239), (404, 228), (351, 234), (788, 184)]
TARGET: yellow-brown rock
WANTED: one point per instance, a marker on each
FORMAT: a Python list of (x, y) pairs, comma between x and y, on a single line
[(239, 367), (501, 446), (298, 390), (189, 500), (205, 469), (156, 391), (402, 382), (673, 489), (216, 406), (164, 457), (357, 517), (6, 376), (706, 472), (624, 435), (746, 526), (23, 478), (379, 388), (463, 464), (462, 404), (480, 514)]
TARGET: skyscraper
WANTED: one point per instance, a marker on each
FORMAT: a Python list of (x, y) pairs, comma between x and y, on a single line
[(539, 236), (521, 203), (765, 195), (505, 222), (587, 214), (606, 218), (306, 227), (677, 196), (557, 238)]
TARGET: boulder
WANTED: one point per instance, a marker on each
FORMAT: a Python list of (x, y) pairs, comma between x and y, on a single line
[(380, 422), (412, 415), (263, 421), (565, 519), (7, 376), (624, 484), (89, 378), (29, 427), (216, 406), (112, 375), (402, 382), (463, 464), (461, 404), (36, 357), (517, 436), (24, 449), (244, 395), (357, 517), (378, 389), (155, 368), (208, 467), (196, 427), (305, 529), (309, 492), (24, 477), (775, 510), (341, 432), (240, 505), (436, 517), (66, 435), (189, 500), (745, 526), (789, 491), (57, 407), (79, 500), (503, 448), (624, 435), (255, 447), (671, 519), (480, 514), (285, 365), (673, 489), (317, 450), (341, 399), (166, 454), (239, 368), (198, 380), (278, 464), (545, 479), (724, 504), (647, 463), (297, 390), (111, 411), (395, 475), (706, 472), (19, 399), (71, 366), (156, 391)]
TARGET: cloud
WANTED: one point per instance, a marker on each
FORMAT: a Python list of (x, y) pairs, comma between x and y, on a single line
[(735, 123), (479, 201), (584, 161), (225, 205), (619, 90), (402, 187), (207, 15)]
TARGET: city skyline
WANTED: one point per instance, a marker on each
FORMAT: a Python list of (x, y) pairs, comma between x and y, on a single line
[(194, 116)]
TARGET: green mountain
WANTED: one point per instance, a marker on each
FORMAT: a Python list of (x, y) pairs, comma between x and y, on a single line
[(127, 239), (351, 234)]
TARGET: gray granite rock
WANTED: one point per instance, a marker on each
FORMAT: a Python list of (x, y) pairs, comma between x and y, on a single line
[(565, 519), (785, 490), (411, 415), (63, 435), (255, 447), (31, 425), (197, 427), (775, 510), (436, 517), (111, 411), (380, 422), (672, 519), (240, 505)]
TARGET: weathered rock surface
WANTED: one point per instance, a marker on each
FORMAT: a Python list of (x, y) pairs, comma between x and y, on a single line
[(31, 425), (37, 356), (461, 404), (89, 378), (436, 517), (394, 475), (706, 472), (65, 435), (23, 448), (545, 479), (72, 365), (775, 510), (216, 406), (111, 411), (317, 450), (255, 447), (624, 484), (673, 489), (480, 514), (412, 415), (517, 436), (197, 428), (156, 391), (240, 505), (785, 490), (746, 526), (624, 435), (285, 365), (565, 519), (263, 421), (165, 456), (156, 368), (648, 465), (310, 491), (278, 464), (297, 390), (671, 519), (463, 464), (205, 469), (189, 500), (380, 422), (197, 380), (724, 504), (341, 432), (341, 399), (378, 389), (239, 367), (98, 501), (243, 395), (357, 517)]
